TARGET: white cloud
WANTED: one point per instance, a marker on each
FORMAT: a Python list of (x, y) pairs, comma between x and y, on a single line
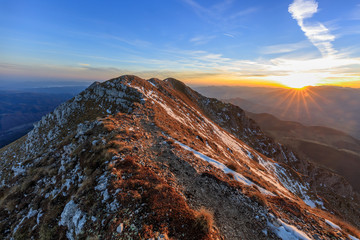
[(316, 32), (301, 9)]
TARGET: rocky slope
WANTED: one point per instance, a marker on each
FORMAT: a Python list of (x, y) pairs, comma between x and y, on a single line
[(137, 159)]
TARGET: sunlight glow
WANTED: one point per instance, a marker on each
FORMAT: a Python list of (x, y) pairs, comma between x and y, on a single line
[(300, 80)]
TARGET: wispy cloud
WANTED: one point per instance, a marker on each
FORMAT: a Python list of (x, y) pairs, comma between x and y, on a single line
[(189, 64), (244, 12), (229, 35), (133, 42), (220, 14), (316, 32), (283, 69), (355, 14), (284, 48), (199, 40)]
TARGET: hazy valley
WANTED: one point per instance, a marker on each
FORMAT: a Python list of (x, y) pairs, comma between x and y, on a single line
[(21, 108)]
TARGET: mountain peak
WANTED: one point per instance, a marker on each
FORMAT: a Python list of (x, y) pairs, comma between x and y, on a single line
[(134, 158)]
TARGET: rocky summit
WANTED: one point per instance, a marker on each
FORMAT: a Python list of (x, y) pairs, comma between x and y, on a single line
[(152, 159)]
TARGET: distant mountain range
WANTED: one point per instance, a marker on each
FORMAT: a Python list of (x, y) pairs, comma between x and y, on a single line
[(131, 158), (20, 109), (328, 106)]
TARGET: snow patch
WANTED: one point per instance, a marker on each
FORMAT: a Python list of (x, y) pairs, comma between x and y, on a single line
[(287, 232), (310, 203), (152, 83), (352, 237), (237, 176), (333, 225)]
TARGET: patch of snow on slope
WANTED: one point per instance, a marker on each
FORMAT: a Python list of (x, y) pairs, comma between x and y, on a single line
[(151, 95), (296, 187), (237, 176), (352, 237), (73, 218), (152, 83), (224, 136), (170, 112), (333, 225), (309, 202), (287, 232), (271, 177)]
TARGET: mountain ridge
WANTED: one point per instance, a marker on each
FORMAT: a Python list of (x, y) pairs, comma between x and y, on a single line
[(135, 158)]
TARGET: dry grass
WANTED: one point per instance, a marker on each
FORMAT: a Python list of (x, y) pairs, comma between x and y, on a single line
[(169, 212), (204, 220), (126, 131), (126, 149), (109, 126), (230, 175), (233, 166), (255, 195), (117, 144)]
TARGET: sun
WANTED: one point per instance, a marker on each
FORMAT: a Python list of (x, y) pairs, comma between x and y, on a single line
[(300, 80), (297, 85)]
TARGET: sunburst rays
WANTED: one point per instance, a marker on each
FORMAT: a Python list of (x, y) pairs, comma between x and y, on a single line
[(297, 102)]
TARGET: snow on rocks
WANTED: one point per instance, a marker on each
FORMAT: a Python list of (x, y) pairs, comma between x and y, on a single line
[(73, 218), (18, 169), (30, 214), (102, 187)]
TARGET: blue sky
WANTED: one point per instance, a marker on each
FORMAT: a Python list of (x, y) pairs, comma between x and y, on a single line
[(295, 43)]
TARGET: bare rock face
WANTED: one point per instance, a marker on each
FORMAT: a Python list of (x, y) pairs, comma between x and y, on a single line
[(149, 159)]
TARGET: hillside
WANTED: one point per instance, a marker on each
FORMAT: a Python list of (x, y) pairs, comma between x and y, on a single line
[(328, 147), (137, 159)]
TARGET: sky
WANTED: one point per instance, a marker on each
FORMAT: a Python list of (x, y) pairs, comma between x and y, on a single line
[(201, 42)]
